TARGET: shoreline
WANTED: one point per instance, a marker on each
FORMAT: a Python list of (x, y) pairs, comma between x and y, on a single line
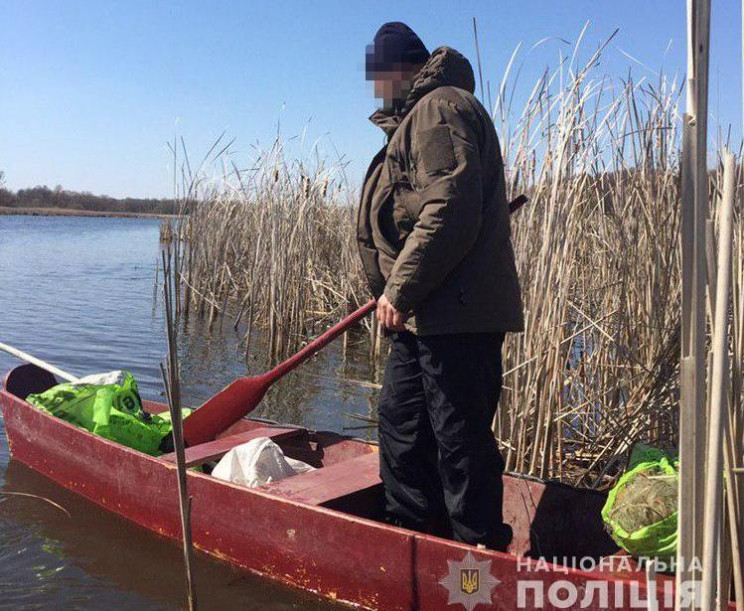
[(8, 211)]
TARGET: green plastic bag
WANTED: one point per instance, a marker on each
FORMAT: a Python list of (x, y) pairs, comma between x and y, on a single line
[(108, 405), (654, 539)]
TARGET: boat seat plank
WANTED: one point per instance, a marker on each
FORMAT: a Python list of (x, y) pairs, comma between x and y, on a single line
[(330, 483), (212, 450)]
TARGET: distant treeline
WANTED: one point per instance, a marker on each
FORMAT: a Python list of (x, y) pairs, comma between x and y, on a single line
[(44, 197)]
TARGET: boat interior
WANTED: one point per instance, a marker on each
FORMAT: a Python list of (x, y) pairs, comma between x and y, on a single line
[(549, 519)]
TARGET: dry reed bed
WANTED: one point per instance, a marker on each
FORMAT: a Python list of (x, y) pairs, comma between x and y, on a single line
[(597, 251), (275, 245)]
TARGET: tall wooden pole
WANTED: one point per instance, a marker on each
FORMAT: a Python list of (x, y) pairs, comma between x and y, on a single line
[(692, 363), (719, 394)]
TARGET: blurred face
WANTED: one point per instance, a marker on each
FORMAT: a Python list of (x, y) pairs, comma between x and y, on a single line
[(392, 86)]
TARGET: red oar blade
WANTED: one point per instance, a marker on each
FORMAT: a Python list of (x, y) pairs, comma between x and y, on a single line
[(242, 396), (224, 409)]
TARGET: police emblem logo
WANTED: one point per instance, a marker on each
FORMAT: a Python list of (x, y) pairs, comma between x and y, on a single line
[(469, 582)]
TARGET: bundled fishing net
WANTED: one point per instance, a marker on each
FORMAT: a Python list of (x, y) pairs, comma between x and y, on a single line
[(109, 405), (641, 510)]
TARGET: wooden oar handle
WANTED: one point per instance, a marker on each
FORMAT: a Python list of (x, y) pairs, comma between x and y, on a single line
[(517, 203), (38, 362), (321, 341)]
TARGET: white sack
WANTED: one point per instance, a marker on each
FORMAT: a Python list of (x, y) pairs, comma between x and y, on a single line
[(102, 379), (257, 462)]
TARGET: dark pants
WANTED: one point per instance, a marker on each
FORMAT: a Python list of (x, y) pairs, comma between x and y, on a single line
[(439, 461)]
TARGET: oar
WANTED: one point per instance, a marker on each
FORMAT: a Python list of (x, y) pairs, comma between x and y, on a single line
[(244, 394), (38, 362)]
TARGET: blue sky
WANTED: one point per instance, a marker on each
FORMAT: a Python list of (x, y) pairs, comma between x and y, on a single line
[(90, 92)]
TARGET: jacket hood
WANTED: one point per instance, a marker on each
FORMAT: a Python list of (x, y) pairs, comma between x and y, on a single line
[(445, 67)]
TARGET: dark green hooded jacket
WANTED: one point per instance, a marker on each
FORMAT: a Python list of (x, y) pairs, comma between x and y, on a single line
[(433, 224)]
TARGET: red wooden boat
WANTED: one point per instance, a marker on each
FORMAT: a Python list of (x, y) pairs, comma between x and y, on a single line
[(321, 531)]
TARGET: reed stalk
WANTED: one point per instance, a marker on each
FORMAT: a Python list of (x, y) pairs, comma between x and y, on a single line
[(172, 384), (720, 383)]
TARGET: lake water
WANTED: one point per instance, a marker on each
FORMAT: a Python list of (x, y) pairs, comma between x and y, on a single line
[(80, 293)]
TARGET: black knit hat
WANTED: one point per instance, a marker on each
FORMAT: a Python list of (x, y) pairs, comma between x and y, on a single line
[(395, 45)]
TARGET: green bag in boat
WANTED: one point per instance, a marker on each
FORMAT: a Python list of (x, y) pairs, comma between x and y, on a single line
[(641, 509), (108, 405)]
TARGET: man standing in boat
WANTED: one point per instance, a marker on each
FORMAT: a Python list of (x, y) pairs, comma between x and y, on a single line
[(434, 239)]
